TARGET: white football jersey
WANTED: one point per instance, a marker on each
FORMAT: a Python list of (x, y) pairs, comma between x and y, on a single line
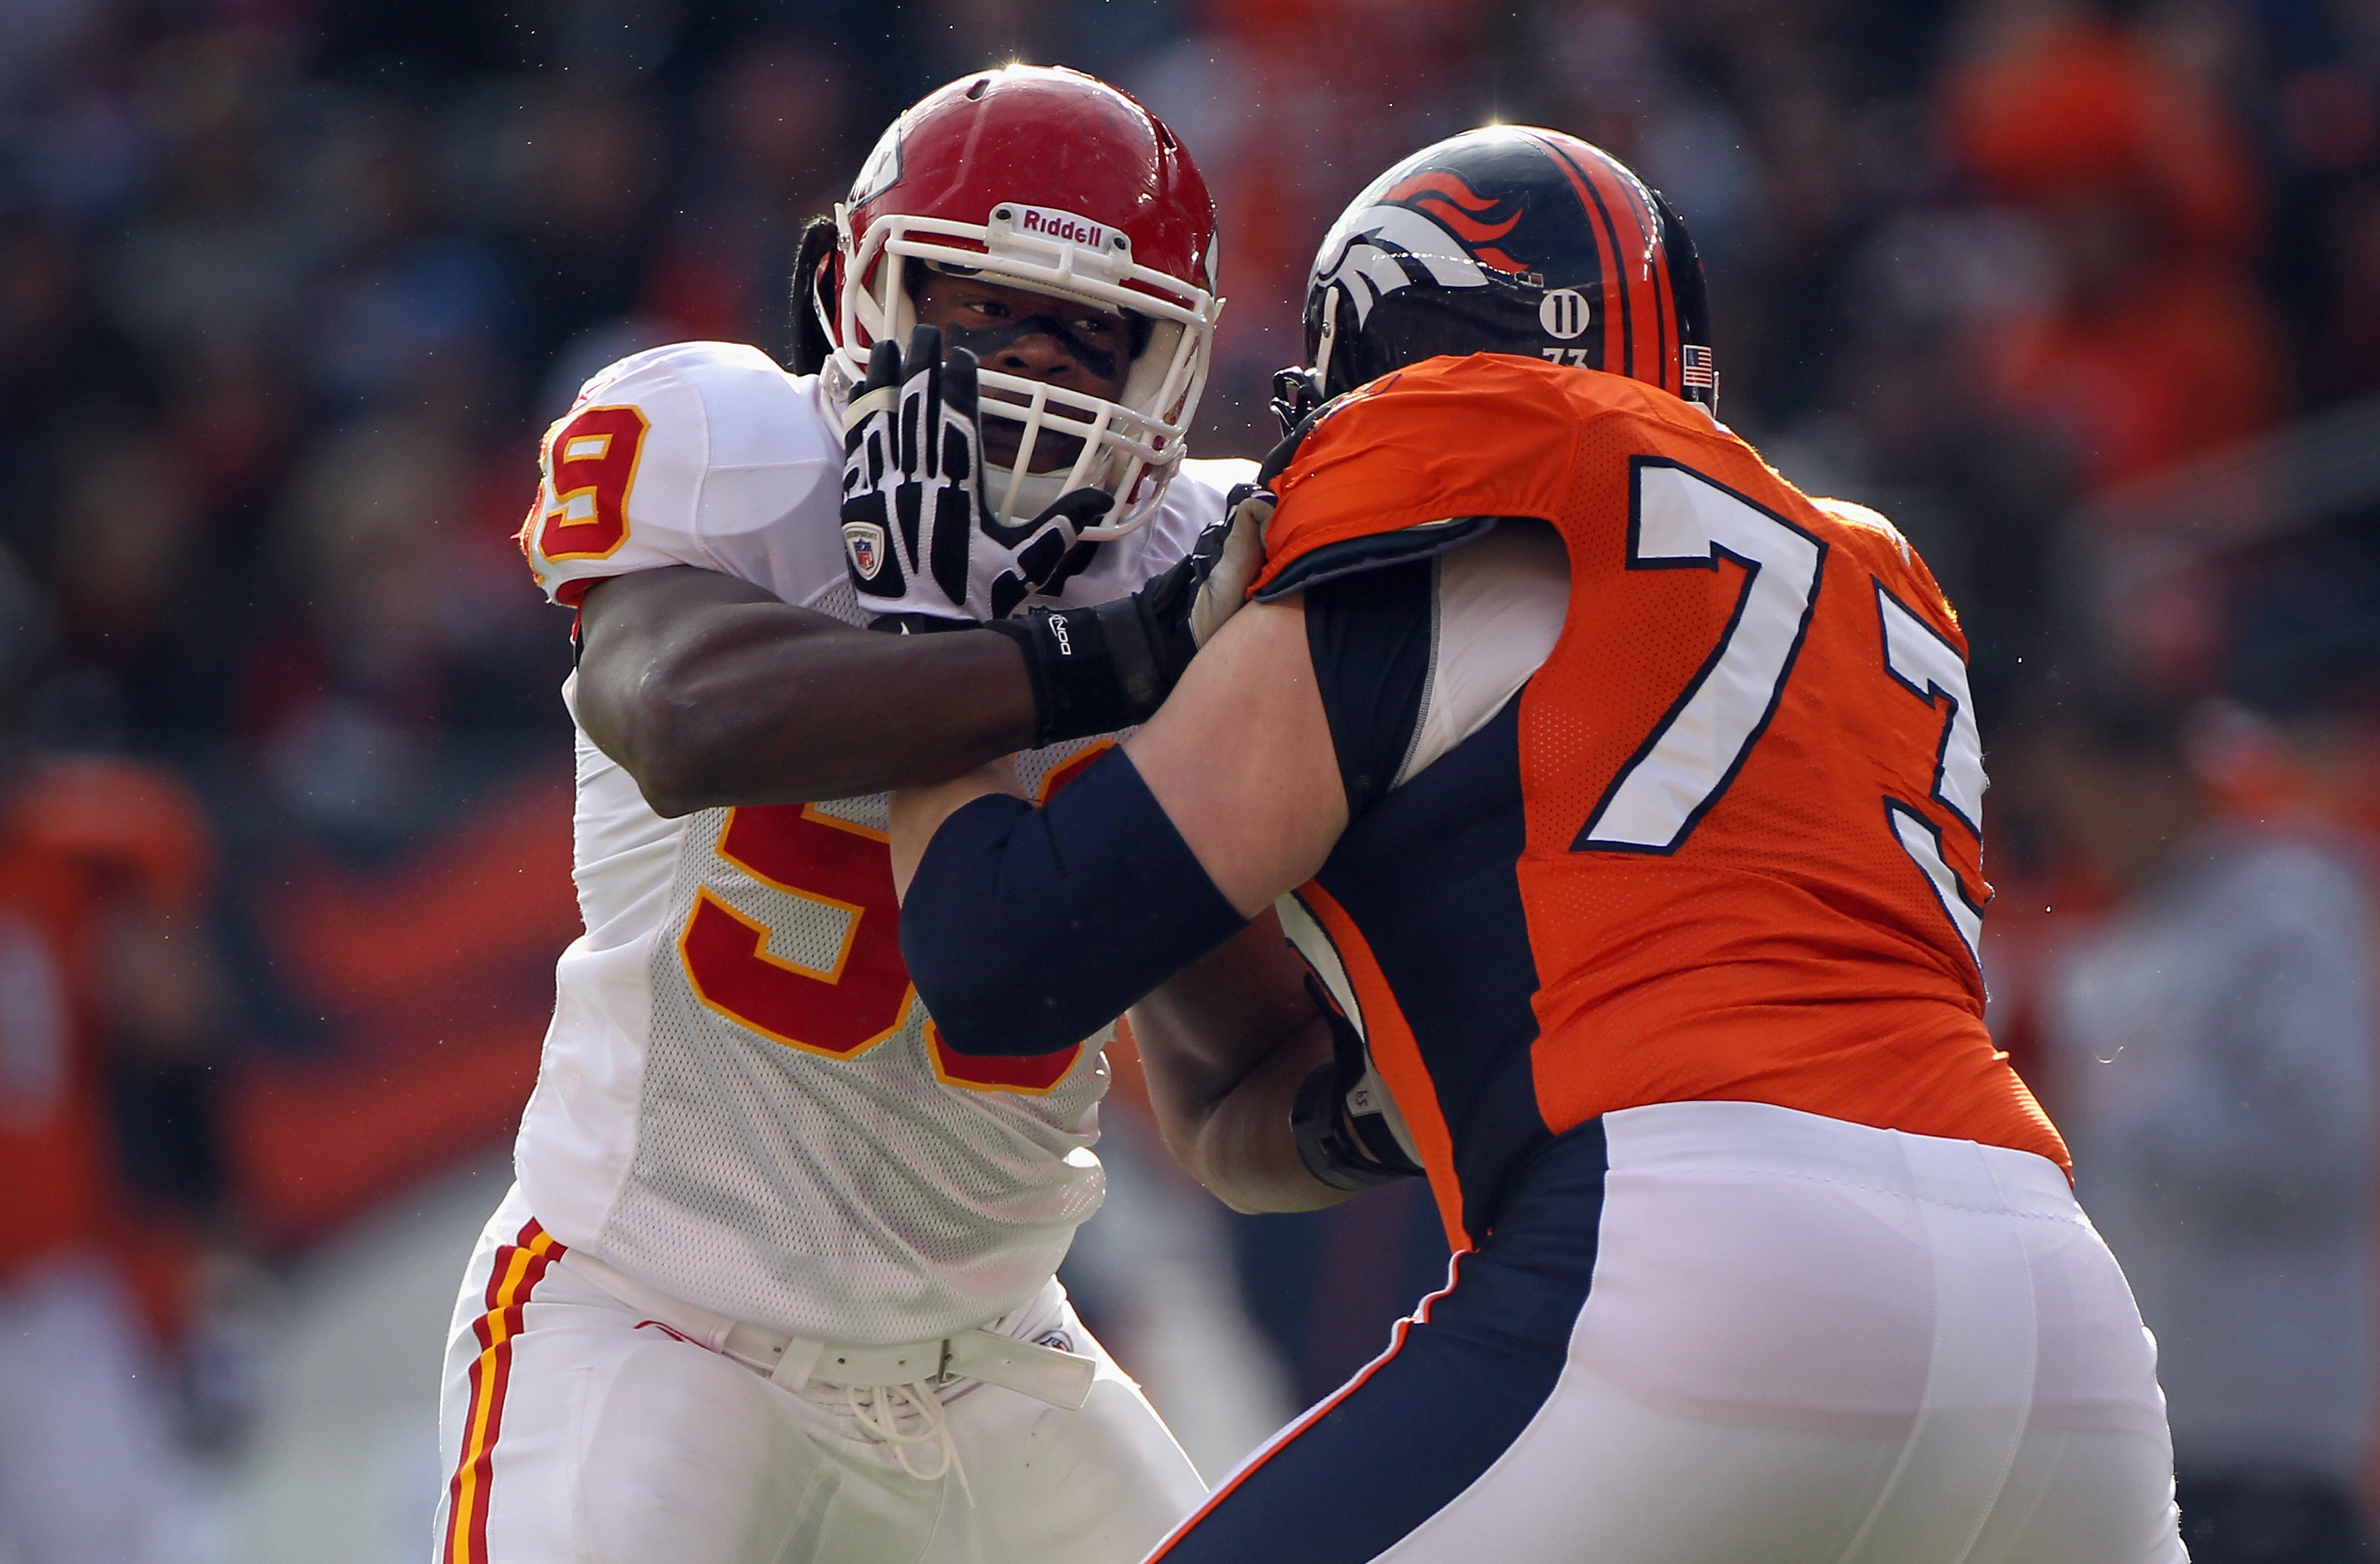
[(741, 1102)]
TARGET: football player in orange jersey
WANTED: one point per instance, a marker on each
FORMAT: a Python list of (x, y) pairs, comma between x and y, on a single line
[(108, 980), (1623, 807)]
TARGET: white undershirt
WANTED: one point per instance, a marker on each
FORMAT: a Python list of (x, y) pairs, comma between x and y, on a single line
[(1495, 614)]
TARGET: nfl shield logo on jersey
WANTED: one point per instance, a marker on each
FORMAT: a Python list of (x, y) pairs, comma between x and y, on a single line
[(866, 541)]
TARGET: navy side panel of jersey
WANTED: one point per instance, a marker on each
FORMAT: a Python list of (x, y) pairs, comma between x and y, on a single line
[(1430, 876), (1371, 638), (1428, 870)]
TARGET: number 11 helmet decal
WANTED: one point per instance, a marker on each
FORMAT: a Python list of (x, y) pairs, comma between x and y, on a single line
[(1038, 177), (1509, 239)]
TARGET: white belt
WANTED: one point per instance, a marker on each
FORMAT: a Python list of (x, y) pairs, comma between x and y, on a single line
[(1047, 1374)]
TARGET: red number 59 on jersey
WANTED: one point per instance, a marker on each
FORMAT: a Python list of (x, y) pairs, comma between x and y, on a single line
[(849, 998)]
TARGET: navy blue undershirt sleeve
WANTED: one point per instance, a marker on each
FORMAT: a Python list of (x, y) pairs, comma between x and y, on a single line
[(1371, 636), (1026, 930)]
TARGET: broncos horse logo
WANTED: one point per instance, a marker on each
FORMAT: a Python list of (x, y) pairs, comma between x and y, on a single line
[(1431, 220)]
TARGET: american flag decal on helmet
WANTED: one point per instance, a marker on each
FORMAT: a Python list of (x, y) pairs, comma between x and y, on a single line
[(1698, 374)]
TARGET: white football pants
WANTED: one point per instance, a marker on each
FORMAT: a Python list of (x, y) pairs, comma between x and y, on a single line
[(1727, 1333), (595, 1435)]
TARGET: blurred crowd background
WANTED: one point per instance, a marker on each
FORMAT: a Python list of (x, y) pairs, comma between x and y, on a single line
[(2087, 296)]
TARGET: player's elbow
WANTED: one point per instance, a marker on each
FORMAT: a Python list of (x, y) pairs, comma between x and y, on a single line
[(1000, 1027), (1028, 929), (663, 740), (650, 719), (987, 1003), (614, 693), (998, 966), (667, 794)]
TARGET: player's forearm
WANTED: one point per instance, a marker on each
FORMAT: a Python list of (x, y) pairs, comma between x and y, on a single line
[(1240, 1144), (1224, 1046), (761, 717), (761, 702)]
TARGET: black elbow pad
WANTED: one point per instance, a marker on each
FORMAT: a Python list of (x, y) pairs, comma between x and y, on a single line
[(1026, 930)]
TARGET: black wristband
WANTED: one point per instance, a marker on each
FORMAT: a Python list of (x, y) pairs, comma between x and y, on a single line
[(1094, 670), (1328, 1146)]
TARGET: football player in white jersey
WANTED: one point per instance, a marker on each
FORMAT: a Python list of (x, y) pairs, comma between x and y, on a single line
[(776, 1281)]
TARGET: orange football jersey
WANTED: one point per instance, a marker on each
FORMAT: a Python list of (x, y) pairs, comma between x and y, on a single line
[(1747, 854), (77, 837)]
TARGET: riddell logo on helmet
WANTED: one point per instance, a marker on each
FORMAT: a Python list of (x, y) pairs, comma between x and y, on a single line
[(1042, 223)]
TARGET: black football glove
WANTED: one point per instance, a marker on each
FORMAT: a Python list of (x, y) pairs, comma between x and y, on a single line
[(1109, 666), (1341, 1115), (1014, 563), (909, 467), (916, 538)]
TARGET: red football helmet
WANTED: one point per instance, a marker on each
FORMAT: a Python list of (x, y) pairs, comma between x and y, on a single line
[(1044, 179)]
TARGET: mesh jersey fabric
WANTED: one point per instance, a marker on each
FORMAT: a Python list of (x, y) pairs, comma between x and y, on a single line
[(741, 1102), (1787, 942)]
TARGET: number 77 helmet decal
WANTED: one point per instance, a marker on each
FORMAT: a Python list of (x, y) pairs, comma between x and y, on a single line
[(1507, 239), (1042, 178)]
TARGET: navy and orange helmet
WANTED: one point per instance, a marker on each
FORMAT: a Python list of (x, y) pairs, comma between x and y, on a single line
[(1507, 239)]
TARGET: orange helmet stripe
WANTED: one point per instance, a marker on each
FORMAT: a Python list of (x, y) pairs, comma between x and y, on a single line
[(1618, 349)]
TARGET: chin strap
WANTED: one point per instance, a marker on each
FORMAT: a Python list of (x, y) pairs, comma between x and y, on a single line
[(1109, 665)]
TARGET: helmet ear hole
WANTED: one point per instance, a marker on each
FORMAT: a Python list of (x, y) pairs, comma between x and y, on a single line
[(814, 298)]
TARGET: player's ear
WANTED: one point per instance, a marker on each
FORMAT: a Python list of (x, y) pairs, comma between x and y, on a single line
[(812, 277)]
